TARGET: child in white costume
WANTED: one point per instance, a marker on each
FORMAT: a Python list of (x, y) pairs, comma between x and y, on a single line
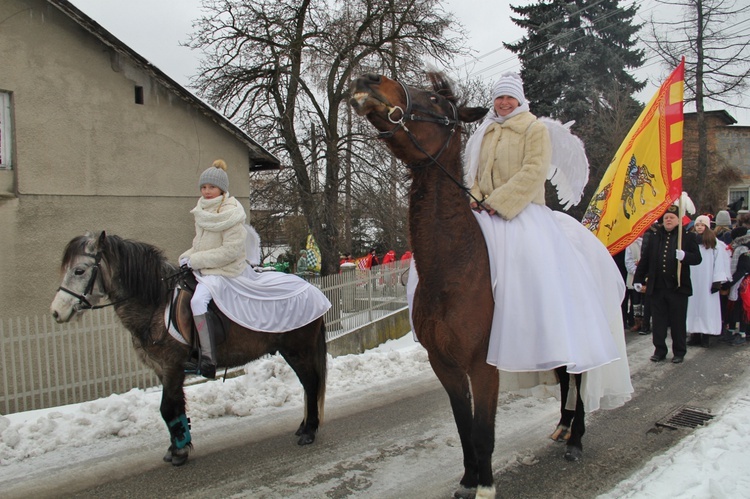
[(272, 302), (218, 249)]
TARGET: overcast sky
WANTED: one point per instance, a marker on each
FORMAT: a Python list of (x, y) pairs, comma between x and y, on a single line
[(155, 29)]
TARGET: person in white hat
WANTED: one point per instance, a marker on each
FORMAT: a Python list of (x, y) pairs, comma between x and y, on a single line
[(551, 308), (218, 250), (704, 305)]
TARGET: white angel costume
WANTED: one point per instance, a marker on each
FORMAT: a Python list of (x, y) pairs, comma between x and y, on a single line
[(272, 302), (704, 307), (557, 290)]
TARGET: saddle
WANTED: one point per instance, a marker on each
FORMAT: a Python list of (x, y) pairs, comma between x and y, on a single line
[(181, 315)]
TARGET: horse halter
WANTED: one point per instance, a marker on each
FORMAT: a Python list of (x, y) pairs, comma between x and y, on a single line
[(83, 301), (408, 115)]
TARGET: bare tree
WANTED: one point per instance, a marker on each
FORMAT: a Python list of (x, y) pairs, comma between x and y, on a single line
[(281, 70), (714, 37)]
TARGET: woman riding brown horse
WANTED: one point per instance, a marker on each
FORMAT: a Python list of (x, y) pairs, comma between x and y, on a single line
[(452, 307)]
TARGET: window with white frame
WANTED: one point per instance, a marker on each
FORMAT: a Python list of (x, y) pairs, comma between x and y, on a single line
[(737, 193), (6, 133)]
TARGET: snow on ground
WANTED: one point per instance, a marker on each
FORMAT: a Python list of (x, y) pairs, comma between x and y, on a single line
[(708, 463)]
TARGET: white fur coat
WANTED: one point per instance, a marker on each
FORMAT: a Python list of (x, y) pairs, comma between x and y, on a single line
[(513, 163), (219, 243)]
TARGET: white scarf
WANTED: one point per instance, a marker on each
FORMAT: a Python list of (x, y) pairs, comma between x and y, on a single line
[(210, 217), (474, 144)]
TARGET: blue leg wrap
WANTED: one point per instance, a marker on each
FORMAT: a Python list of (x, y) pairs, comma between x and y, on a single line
[(179, 431)]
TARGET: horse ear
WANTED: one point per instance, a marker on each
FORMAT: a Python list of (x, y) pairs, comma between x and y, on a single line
[(471, 114), (102, 240)]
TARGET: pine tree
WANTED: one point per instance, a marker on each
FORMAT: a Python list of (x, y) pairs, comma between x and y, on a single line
[(577, 60), (573, 53)]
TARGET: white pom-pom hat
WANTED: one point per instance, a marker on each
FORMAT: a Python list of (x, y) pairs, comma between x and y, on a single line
[(509, 84)]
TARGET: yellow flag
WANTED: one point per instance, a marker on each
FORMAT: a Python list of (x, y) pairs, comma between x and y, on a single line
[(645, 175)]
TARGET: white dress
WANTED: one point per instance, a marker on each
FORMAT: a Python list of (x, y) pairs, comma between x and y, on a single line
[(549, 307), (271, 302), (704, 307), (557, 302)]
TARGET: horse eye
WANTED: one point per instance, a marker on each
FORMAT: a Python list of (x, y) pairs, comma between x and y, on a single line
[(79, 271), (435, 99)]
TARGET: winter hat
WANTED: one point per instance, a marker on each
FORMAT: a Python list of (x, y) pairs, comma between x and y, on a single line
[(703, 219), (216, 175), (723, 219), (509, 84), (673, 209)]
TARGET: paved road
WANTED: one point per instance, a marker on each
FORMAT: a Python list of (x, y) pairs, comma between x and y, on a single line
[(401, 442)]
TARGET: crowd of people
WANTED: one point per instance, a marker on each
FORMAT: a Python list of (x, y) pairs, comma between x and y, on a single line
[(694, 289)]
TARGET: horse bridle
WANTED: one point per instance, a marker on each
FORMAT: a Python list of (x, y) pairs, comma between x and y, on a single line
[(431, 117), (83, 301)]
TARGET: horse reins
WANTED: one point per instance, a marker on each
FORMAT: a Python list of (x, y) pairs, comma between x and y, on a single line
[(83, 302), (430, 118)]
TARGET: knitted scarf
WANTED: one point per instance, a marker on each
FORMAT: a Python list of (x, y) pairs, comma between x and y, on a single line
[(218, 214)]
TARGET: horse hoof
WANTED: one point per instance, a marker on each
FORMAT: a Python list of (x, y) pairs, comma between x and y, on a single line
[(561, 433), (573, 453), (306, 439), (168, 456), (177, 457), (465, 493)]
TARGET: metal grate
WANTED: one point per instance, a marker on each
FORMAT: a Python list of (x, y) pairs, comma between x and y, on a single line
[(685, 417)]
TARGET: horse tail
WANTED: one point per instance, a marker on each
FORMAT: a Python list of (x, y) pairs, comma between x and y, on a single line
[(321, 366)]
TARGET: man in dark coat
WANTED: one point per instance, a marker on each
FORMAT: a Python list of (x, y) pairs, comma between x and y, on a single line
[(669, 299)]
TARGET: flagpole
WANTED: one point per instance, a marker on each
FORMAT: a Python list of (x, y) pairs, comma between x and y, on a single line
[(679, 240)]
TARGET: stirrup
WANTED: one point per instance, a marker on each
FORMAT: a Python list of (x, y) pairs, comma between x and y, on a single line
[(204, 367)]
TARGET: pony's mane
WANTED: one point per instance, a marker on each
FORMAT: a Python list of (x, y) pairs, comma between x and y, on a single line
[(136, 268), (139, 268), (76, 247)]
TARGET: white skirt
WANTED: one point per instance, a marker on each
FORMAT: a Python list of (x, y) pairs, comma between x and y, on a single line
[(557, 303), (271, 302)]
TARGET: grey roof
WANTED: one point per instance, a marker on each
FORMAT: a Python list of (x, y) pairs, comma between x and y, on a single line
[(260, 158)]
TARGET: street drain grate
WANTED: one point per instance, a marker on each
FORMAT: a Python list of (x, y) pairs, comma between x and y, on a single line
[(685, 417)]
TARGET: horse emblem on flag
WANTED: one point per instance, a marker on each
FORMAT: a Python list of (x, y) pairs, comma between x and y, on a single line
[(637, 176)]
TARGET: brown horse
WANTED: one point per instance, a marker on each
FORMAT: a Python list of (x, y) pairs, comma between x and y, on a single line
[(453, 303), (135, 277)]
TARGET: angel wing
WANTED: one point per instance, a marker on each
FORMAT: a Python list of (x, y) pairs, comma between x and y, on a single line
[(569, 166), (252, 246)]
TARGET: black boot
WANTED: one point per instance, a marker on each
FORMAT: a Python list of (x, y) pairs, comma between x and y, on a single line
[(694, 340), (207, 365), (705, 340)]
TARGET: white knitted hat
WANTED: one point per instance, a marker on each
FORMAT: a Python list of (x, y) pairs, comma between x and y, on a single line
[(509, 84), (704, 220), (216, 175)]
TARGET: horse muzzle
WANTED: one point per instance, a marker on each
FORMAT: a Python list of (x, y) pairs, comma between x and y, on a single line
[(366, 99)]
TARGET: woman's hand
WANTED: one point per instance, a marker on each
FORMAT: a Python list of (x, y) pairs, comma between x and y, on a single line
[(480, 207)]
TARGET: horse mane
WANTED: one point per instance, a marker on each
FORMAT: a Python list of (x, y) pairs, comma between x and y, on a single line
[(138, 267), (76, 247)]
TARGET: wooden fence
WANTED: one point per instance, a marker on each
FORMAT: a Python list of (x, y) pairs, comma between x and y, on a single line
[(44, 364)]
